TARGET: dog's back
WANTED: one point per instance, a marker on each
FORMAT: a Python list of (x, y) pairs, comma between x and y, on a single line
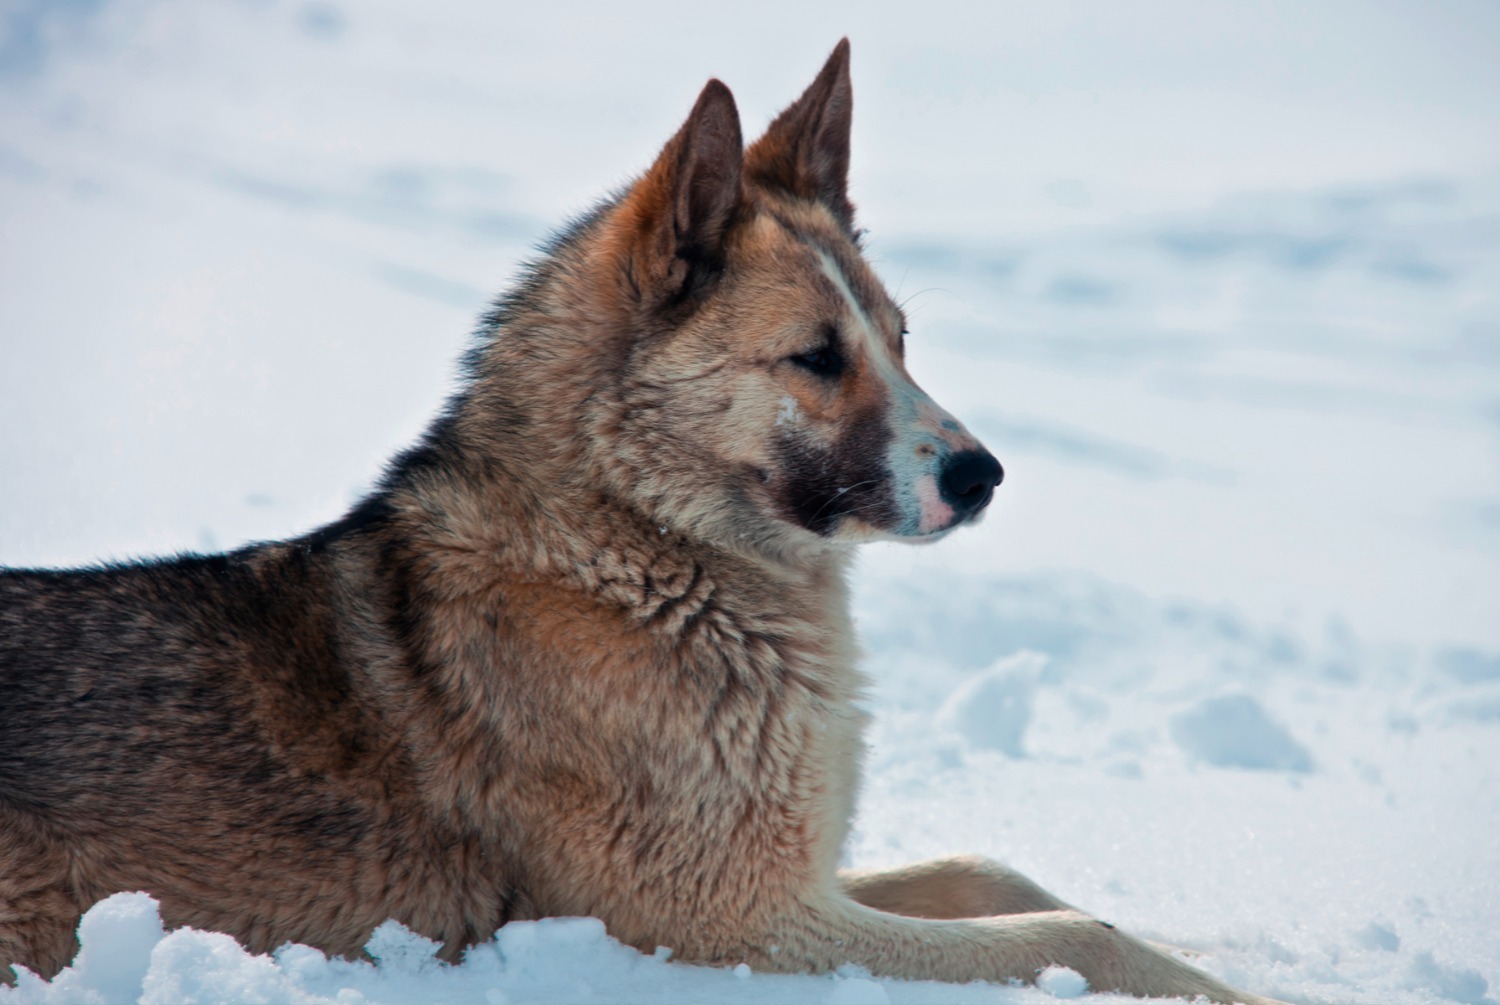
[(107, 670), (114, 675), (209, 729)]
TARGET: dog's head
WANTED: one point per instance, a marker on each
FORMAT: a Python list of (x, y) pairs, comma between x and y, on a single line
[(753, 389)]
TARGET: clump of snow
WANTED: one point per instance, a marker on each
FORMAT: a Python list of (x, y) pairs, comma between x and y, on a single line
[(396, 945), (190, 967), (1469, 665), (1457, 984), (1060, 982), (993, 709), (1378, 936), (858, 991), (118, 937), (1234, 731)]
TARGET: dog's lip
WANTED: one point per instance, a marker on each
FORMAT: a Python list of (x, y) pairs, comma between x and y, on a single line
[(931, 536), (965, 519)]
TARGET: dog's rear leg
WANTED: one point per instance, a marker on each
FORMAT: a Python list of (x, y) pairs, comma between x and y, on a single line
[(38, 912), (825, 935), (965, 886)]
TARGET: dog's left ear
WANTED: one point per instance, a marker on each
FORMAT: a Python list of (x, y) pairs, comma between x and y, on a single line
[(679, 214), (806, 150)]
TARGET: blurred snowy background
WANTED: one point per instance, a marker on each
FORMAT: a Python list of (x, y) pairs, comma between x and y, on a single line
[(1219, 283)]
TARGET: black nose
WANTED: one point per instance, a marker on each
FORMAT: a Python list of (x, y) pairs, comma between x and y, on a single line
[(969, 479)]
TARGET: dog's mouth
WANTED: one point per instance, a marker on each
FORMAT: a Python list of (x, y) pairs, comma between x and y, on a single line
[(931, 536), (854, 502)]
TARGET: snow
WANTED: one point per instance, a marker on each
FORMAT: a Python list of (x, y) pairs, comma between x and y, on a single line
[(1234, 731), (1060, 982), (993, 708), (1218, 284), (556, 959)]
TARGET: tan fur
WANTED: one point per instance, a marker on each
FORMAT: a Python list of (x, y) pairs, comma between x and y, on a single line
[(586, 652)]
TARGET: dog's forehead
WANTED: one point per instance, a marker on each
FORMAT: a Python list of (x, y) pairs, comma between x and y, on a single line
[(809, 251), (855, 281)]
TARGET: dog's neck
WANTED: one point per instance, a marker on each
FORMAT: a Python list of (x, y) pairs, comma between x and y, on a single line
[(505, 520)]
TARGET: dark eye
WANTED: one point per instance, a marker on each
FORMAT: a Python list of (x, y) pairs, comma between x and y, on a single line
[(901, 343), (825, 361)]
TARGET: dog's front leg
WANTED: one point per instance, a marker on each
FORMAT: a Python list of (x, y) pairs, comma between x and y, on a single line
[(965, 886), (824, 935)]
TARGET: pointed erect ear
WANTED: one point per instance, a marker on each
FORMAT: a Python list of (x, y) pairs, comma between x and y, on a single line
[(806, 150), (680, 212)]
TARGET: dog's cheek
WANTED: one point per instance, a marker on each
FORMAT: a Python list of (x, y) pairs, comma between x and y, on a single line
[(677, 438), (818, 485)]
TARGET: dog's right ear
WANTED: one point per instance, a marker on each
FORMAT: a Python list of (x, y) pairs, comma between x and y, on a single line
[(805, 151), (678, 215)]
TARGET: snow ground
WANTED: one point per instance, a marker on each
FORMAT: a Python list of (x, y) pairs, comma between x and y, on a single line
[(1218, 285)]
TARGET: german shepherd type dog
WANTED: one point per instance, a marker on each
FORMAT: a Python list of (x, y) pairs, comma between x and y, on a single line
[(586, 650)]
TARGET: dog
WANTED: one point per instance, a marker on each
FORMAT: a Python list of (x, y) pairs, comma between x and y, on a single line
[(585, 650)]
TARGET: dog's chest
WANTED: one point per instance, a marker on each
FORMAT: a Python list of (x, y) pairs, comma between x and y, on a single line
[(771, 685), (698, 717)]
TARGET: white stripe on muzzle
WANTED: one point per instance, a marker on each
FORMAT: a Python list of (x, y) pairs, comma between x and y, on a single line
[(923, 434)]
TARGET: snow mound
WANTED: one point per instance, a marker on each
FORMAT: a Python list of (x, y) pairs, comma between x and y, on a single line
[(118, 938), (1378, 936), (1234, 731), (993, 709), (190, 967), (1060, 982), (1459, 984)]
